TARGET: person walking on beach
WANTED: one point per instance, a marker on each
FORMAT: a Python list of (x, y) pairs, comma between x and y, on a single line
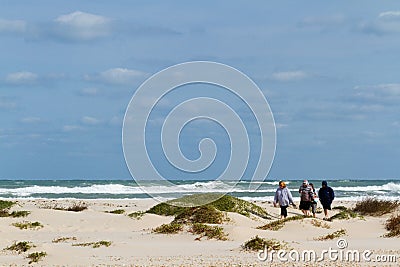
[(306, 195), (314, 201), (326, 196), (284, 198)]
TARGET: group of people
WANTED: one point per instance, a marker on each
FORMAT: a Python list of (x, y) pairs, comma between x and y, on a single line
[(308, 198)]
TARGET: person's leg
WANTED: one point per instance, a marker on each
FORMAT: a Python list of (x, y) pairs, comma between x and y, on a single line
[(307, 206), (283, 211)]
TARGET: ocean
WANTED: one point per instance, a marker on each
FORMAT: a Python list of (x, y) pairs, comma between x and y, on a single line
[(351, 190)]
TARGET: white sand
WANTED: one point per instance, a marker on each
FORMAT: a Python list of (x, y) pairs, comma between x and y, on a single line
[(134, 244)]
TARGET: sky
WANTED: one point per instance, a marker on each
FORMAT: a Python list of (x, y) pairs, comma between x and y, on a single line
[(329, 70)]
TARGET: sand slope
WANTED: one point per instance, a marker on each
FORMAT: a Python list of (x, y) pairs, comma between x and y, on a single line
[(134, 244)]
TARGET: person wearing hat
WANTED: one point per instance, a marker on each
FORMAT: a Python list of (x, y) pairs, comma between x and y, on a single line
[(326, 196), (284, 198), (306, 197)]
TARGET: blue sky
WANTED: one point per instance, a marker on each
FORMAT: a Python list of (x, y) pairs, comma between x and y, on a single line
[(330, 72)]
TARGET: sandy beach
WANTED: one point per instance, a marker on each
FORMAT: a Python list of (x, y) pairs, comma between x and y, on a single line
[(133, 242)]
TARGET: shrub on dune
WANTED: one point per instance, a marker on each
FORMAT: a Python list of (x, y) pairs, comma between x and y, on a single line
[(376, 207), (393, 226)]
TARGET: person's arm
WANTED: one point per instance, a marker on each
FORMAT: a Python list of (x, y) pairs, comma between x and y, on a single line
[(332, 194), (290, 197), (276, 198), (311, 195)]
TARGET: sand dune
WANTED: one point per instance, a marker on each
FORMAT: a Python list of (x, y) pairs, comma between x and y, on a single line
[(134, 244)]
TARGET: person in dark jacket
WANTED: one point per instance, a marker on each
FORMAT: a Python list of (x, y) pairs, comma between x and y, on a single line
[(326, 196)]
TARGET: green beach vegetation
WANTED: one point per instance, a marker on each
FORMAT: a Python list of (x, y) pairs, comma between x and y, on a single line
[(393, 226), (94, 244), (375, 207), (36, 256), (278, 224), (186, 212), (225, 203), (208, 231), (257, 243), (336, 234), (5, 206), (319, 223), (168, 228), (20, 247), (345, 214), (118, 211), (28, 225), (63, 239), (75, 207), (136, 214)]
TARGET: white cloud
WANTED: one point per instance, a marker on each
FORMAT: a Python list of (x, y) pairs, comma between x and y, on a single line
[(323, 22), (281, 125), (31, 120), (119, 76), (384, 23), (82, 26), (396, 124), (116, 120), (90, 120), (23, 77), (389, 89), (89, 91), (372, 108), (71, 128), (390, 15), (381, 94), (4, 104), (12, 26), (289, 76)]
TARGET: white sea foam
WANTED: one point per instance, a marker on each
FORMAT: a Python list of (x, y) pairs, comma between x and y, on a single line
[(371, 188), (388, 189)]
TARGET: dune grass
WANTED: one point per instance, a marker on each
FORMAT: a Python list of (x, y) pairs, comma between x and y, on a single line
[(318, 223), (75, 207), (257, 243), (20, 247), (28, 225), (14, 214), (118, 211), (36, 256), (211, 232), (5, 204), (345, 215), (137, 214), (199, 216), (63, 239), (202, 214), (393, 226), (336, 234), (94, 244), (19, 213), (375, 207), (223, 203), (170, 228), (278, 224), (339, 208)]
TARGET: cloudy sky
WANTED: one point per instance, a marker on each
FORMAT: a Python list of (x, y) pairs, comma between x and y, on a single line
[(330, 72)]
